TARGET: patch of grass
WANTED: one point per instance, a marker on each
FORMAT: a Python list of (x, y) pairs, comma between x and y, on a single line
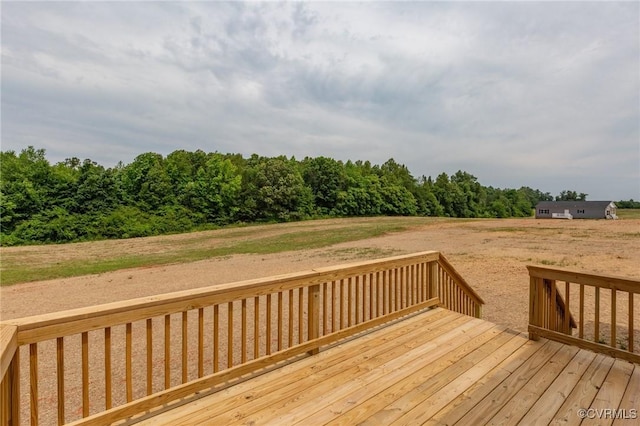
[(630, 235), (561, 263), (505, 229), (622, 343), (361, 252), (17, 269), (628, 213)]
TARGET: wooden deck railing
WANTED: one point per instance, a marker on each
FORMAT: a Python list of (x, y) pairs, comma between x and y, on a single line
[(590, 311), (106, 363)]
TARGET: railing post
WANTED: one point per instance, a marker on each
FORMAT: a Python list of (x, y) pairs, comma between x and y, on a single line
[(10, 370), (433, 280), (534, 306), (314, 315), (10, 390), (478, 310)]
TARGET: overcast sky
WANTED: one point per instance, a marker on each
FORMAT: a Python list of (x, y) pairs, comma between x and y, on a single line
[(540, 94)]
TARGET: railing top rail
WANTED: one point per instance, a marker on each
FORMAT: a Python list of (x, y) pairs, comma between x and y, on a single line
[(462, 282), (631, 285), (8, 346), (114, 313)]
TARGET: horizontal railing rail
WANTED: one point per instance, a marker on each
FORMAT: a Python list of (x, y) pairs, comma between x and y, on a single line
[(595, 312), (113, 362)]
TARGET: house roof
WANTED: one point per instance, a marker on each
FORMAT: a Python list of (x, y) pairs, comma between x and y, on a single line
[(573, 204)]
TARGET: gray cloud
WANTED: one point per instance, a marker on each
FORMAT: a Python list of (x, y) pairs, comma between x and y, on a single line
[(539, 94)]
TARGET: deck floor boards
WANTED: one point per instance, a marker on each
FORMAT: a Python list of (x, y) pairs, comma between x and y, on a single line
[(435, 368)]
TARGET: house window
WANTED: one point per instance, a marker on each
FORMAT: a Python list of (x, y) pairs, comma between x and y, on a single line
[(543, 211), (580, 211)]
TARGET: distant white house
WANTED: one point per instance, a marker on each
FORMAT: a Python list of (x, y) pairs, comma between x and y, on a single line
[(576, 210)]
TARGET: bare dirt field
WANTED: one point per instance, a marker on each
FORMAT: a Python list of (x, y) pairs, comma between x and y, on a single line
[(491, 254)]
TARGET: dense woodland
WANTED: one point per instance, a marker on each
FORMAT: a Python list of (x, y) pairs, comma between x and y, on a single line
[(79, 200)]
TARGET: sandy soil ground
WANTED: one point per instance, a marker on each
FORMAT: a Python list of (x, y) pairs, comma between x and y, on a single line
[(491, 254)]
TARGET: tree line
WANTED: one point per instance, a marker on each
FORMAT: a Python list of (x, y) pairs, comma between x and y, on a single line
[(77, 200)]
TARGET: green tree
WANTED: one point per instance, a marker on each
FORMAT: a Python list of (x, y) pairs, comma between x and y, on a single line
[(25, 182), (216, 190), (274, 190), (147, 183), (427, 203), (571, 196), (96, 190), (325, 177)]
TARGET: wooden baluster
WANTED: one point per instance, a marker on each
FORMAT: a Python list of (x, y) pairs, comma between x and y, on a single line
[(127, 360), (216, 338), (256, 327), (300, 315), (376, 294), (279, 321), (414, 289), (553, 305), (613, 317), (334, 316), (597, 316), (372, 297), (357, 307), (442, 294), (387, 280), (382, 292), (420, 283), (349, 302), (542, 297), (149, 356), (408, 286), (60, 378), (313, 315), (581, 325), (429, 281), (167, 351), (631, 325), (230, 334), (400, 288), (107, 368), (325, 309), (400, 274), (449, 290), (291, 318), (33, 381), (268, 331), (200, 342), (243, 344), (567, 311), (397, 288), (341, 304), (85, 374), (445, 289), (185, 346), (454, 294)]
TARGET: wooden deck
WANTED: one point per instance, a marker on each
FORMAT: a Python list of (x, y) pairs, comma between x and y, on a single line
[(437, 368)]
